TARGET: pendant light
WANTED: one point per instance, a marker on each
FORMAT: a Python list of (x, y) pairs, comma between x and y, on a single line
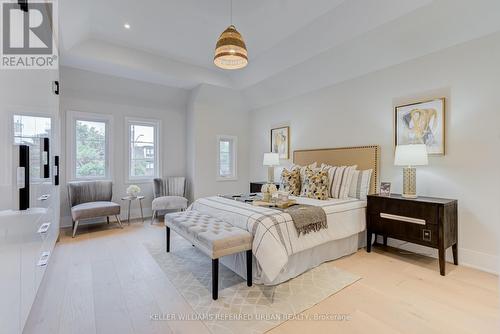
[(231, 51)]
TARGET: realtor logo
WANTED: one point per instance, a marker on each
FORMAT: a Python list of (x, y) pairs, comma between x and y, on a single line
[(28, 35)]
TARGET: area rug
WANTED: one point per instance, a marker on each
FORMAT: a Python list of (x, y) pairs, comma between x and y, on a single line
[(241, 309)]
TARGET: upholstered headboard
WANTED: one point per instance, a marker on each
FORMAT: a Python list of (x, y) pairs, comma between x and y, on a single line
[(366, 157)]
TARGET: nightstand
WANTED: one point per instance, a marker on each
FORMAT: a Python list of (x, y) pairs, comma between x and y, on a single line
[(425, 221), (255, 187)]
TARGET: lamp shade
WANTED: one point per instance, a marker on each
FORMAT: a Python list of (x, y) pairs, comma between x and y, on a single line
[(231, 51), (271, 159), (411, 155)]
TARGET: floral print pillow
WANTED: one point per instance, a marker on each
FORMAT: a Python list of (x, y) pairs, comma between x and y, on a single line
[(315, 184), (290, 180)]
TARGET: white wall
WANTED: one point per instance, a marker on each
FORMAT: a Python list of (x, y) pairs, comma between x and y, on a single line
[(360, 112), (215, 111), (85, 91)]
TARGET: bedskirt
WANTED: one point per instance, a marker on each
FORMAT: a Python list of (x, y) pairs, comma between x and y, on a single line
[(300, 262)]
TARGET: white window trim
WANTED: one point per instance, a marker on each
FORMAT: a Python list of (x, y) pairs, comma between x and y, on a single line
[(149, 122), (72, 117), (233, 177)]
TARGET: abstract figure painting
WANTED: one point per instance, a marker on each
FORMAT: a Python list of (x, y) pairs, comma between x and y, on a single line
[(280, 142), (422, 123)]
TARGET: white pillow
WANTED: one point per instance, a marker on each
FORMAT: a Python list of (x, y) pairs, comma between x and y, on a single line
[(360, 184), (340, 179)]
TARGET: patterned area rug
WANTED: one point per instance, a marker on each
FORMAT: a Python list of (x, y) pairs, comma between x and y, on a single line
[(241, 309)]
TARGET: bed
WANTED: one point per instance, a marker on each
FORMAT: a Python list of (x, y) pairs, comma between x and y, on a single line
[(279, 252)]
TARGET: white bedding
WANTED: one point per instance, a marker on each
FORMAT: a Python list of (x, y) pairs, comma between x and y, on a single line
[(275, 236)]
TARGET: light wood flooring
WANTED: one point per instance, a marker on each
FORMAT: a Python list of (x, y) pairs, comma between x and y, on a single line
[(105, 281)]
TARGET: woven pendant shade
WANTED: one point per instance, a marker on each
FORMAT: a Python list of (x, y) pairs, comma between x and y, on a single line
[(230, 51)]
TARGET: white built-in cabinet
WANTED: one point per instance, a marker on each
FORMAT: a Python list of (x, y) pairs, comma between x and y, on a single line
[(22, 245), (22, 242)]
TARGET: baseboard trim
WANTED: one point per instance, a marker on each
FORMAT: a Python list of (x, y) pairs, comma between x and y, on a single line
[(466, 257)]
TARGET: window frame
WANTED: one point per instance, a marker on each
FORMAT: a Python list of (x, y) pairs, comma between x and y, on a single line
[(157, 157), (73, 117), (234, 141)]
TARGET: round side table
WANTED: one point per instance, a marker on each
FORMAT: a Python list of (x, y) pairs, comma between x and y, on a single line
[(130, 199)]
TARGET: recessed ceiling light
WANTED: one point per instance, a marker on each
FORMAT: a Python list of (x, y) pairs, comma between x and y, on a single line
[(126, 26)]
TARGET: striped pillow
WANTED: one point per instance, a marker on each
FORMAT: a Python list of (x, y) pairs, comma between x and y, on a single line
[(360, 184), (340, 180)]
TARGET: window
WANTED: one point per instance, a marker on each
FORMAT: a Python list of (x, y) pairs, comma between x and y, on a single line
[(143, 149), (27, 131), (89, 156), (90, 149), (226, 158)]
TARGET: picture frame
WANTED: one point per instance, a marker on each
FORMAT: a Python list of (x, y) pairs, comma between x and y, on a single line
[(421, 123), (385, 189), (280, 142)]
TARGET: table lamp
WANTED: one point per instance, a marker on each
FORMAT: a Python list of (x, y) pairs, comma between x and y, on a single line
[(410, 156), (271, 160)]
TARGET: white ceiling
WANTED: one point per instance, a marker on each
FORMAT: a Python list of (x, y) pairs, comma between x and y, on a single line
[(171, 42)]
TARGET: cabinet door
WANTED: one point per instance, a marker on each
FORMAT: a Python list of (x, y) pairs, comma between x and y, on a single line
[(10, 273), (30, 253)]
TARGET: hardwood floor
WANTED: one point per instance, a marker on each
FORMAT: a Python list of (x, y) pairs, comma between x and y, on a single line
[(105, 281)]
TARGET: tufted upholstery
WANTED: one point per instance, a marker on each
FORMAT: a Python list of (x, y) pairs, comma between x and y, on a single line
[(212, 236)]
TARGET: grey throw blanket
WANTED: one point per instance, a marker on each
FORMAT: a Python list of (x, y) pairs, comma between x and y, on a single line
[(307, 218)]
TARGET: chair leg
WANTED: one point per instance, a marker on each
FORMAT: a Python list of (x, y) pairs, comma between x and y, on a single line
[(153, 217), (75, 227), (215, 279), (107, 219), (119, 221), (249, 267), (167, 236)]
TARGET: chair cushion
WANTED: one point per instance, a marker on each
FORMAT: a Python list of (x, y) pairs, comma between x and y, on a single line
[(170, 203), (214, 237), (94, 210)]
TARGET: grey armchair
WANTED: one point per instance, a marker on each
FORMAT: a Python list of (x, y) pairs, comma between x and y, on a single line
[(169, 194), (92, 199)]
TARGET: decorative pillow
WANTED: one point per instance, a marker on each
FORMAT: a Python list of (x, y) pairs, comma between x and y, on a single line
[(290, 180), (315, 184), (302, 170), (340, 180), (360, 184)]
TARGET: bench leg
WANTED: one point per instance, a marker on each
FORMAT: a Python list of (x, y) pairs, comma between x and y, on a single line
[(249, 267), (167, 236), (215, 279)]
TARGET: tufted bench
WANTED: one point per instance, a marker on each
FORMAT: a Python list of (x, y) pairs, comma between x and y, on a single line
[(213, 237)]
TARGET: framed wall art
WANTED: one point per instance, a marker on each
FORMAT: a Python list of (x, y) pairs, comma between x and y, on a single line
[(280, 142), (422, 123)]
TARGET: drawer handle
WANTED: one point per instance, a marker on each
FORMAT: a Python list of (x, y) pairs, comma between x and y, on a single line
[(403, 218), (44, 228), (44, 259), (44, 197)]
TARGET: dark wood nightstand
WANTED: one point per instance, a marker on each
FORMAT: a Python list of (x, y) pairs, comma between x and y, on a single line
[(425, 221), (255, 187)]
